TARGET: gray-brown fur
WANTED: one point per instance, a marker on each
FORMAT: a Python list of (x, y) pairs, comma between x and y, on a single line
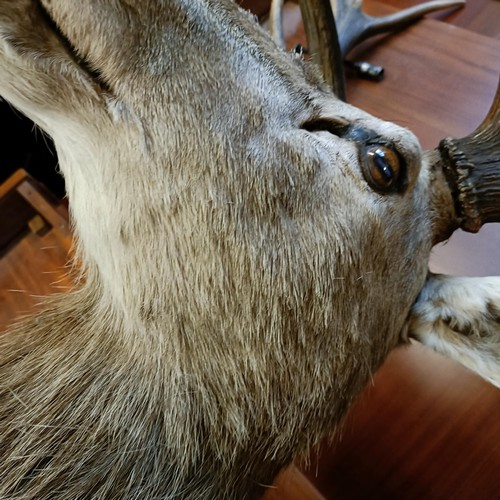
[(243, 282)]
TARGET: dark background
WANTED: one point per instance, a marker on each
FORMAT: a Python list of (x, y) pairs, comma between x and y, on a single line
[(25, 146)]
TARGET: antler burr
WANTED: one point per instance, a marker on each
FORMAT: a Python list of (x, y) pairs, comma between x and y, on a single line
[(472, 169)]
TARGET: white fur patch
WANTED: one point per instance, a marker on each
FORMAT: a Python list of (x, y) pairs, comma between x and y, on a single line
[(460, 318)]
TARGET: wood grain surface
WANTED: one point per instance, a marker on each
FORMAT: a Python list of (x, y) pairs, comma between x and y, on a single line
[(36, 265), (440, 80), (480, 16), (425, 429)]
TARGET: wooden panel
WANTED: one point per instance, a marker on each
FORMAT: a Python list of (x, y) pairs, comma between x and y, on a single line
[(258, 7), (427, 428), (16, 212), (13, 181), (28, 190), (433, 72), (35, 265), (480, 16)]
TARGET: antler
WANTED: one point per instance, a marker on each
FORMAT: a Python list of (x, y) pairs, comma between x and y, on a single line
[(276, 22), (328, 48), (321, 33), (322, 38), (472, 168), (355, 26)]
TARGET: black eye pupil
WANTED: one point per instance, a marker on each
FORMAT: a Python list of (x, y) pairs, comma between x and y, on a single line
[(380, 161)]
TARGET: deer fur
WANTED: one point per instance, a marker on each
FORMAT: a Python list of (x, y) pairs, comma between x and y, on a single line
[(242, 282)]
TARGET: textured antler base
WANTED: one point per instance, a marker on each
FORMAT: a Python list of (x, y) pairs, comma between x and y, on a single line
[(472, 169)]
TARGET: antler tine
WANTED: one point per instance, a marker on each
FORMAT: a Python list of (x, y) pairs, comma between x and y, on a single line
[(323, 43), (472, 169), (354, 25), (276, 22)]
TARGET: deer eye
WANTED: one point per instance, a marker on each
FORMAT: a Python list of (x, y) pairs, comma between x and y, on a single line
[(383, 168)]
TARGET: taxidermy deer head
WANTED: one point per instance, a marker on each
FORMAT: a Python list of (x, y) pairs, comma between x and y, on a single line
[(253, 248)]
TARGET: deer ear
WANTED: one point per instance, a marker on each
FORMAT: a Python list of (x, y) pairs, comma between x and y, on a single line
[(460, 318)]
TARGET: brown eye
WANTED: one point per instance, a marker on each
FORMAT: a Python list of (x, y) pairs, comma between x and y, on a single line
[(382, 168)]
